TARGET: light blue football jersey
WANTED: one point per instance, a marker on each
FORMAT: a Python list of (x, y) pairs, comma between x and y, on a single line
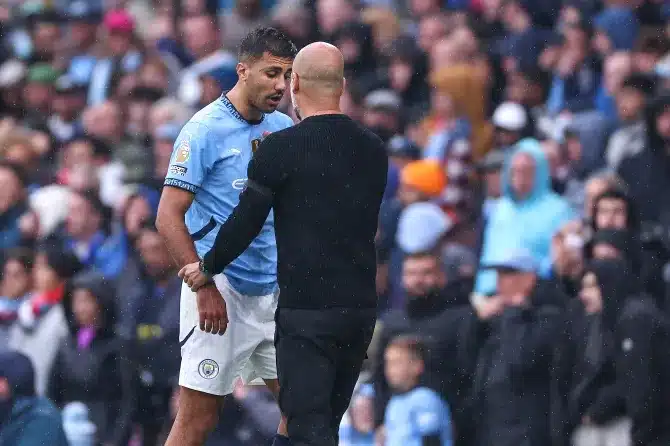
[(210, 159)]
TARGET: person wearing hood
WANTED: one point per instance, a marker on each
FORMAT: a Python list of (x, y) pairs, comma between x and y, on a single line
[(407, 72), (647, 172), (615, 29), (41, 323), (590, 406), (643, 368), (355, 41), (88, 367), (25, 418), (527, 215), (585, 142)]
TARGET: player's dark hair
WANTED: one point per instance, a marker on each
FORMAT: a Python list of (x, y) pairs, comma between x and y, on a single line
[(266, 40), (411, 343)]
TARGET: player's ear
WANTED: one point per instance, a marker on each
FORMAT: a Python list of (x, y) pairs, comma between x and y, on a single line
[(242, 70)]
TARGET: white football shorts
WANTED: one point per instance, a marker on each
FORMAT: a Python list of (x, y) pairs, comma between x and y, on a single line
[(211, 363)]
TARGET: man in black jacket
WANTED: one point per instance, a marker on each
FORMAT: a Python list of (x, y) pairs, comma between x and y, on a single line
[(514, 339)]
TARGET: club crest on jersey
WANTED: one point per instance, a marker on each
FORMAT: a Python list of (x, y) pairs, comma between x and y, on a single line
[(183, 152), (255, 144)]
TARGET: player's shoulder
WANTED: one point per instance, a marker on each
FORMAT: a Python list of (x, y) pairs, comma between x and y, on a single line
[(277, 121)]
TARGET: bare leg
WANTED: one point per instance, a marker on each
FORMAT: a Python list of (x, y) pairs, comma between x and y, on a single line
[(197, 416), (273, 386)]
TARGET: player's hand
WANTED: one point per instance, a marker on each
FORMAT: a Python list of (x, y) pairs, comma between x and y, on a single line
[(212, 310), (194, 278)]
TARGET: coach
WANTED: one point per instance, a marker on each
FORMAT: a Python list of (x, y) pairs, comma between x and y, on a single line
[(324, 178)]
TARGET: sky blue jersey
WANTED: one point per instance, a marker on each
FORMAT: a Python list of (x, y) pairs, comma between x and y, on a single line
[(416, 414), (210, 159)]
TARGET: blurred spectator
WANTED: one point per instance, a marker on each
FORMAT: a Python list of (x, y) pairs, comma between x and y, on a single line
[(527, 216), (88, 367), (68, 102), (382, 112), (431, 311), (18, 224), (358, 428), (643, 335), (148, 301), (630, 138), (510, 121), (89, 235), (202, 38), (122, 55), (585, 143), (25, 418), (587, 357), (415, 414), (41, 325), (15, 284), (515, 334)]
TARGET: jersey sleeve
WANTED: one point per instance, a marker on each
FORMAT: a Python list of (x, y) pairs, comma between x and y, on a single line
[(270, 165), (191, 158), (429, 413)]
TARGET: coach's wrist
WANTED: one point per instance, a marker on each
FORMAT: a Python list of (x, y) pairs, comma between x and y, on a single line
[(205, 271)]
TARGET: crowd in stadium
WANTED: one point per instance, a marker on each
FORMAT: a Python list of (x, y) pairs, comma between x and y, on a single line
[(523, 243)]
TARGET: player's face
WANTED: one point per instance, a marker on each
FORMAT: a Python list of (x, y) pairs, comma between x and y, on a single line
[(267, 81)]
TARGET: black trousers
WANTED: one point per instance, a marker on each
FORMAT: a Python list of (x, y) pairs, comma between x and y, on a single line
[(319, 359)]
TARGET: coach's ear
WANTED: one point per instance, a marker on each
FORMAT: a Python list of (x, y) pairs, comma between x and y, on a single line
[(295, 82)]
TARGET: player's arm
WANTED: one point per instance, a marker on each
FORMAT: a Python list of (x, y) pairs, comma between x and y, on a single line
[(265, 174), (170, 224), (188, 166)]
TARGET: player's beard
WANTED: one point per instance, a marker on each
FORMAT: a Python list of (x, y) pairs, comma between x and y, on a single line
[(296, 109)]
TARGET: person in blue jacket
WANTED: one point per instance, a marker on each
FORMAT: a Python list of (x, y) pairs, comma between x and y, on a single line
[(25, 419)]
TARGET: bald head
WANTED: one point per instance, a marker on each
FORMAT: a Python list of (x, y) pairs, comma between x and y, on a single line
[(320, 67)]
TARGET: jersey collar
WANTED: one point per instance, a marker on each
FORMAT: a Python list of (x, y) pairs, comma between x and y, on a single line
[(233, 111)]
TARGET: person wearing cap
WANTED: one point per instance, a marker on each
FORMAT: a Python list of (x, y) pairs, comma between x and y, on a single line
[(382, 110), (122, 55), (510, 120), (39, 91), (25, 418), (527, 215), (421, 181), (68, 103), (83, 26), (402, 151), (512, 385), (490, 169)]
